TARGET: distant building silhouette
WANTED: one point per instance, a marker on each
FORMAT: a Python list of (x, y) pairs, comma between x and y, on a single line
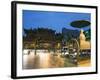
[(70, 34)]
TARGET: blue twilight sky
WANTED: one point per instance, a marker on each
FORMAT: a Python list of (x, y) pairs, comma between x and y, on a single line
[(53, 20)]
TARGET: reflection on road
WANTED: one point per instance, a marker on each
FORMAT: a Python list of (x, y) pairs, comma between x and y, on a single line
[(44, 59)]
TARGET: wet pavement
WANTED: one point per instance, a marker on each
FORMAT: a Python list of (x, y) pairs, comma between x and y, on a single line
[(45, 59)]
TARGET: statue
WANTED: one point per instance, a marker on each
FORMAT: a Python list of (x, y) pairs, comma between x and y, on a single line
[(83, 43)]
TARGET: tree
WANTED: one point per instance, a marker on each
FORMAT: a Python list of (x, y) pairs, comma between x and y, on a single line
[(88, 34), (80, 23), (58, 37), (39, 35)]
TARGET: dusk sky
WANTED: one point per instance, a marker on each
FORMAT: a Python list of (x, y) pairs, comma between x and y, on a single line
[(52, 20)]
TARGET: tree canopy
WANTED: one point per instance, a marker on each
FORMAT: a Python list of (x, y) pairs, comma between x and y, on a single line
[(80, 23), (42, 34)]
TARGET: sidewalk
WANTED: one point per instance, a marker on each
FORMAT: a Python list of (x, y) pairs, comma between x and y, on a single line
[(85, 63)]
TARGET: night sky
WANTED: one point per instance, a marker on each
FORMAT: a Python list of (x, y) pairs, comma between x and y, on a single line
[(52, 20)]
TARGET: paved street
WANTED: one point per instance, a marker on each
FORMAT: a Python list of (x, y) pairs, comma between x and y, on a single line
[(43, 59)]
